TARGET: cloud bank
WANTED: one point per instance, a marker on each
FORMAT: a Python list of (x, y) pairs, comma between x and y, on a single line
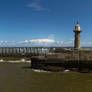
[(36, 42), (41, 42)]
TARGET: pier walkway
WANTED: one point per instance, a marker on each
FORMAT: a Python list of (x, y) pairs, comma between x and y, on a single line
[(24, 50)]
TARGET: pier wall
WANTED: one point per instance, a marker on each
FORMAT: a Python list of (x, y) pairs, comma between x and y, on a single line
[(63, 60), (74, 55)]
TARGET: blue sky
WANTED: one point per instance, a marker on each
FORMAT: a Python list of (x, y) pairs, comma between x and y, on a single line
[(45, 19)]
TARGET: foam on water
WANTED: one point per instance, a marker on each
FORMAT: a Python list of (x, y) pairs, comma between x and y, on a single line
[(1, 60), (67, 70), (37, 70), (17, 61)]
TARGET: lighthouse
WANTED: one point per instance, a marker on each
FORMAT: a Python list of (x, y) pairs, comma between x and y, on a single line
[(77, 32)]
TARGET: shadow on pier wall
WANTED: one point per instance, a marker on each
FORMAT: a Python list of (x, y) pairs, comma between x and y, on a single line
[(80, 66)]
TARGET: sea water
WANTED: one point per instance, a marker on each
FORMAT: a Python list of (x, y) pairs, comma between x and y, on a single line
[(19, 77)]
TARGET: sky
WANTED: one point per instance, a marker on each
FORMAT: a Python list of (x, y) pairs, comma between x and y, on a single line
[(35, 21)]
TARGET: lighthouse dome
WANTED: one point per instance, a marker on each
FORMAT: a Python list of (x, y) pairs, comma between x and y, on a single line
[(77, 27)]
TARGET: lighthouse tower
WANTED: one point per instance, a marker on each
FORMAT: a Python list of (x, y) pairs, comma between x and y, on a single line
[(77, 32)]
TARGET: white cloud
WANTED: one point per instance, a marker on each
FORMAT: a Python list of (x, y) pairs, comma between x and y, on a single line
[(39, 42), (36, 5), (42, 41), (47, 42)]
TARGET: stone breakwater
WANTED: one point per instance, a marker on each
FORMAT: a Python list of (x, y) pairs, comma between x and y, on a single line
[(65, 59)]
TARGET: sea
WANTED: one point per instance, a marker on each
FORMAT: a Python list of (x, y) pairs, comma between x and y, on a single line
[(19, 77)]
